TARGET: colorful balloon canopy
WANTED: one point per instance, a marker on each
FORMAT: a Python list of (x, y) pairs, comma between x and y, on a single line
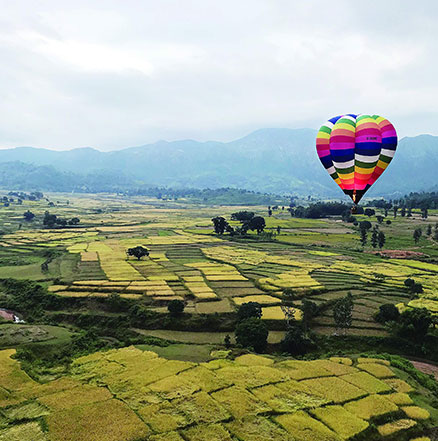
[(355, 150)]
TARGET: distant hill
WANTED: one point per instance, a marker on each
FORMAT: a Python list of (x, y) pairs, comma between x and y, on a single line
[(267, 160)]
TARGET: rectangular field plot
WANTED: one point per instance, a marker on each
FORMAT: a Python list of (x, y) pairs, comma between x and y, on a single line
[(213, 307), (262, 299), (342, 422), (334, 388), (217, 272), (276, 313)]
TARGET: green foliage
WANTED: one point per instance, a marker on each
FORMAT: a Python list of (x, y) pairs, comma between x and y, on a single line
[(309, 310), (227, 341), (249, 310), (381, 239), (387, 312), (413, 287), (257, 223), (296, 341), (30, 298), (252, 333), (401, 363), (28, 215), (138, 252), (418, 232), (414, 323), (242, 216), (116, 303), (343, 312), (375, 237), (220, 224), (175, 307), (365, 225), (319, 210)]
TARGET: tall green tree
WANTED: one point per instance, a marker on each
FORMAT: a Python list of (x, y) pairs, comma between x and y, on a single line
[(375, 237), (252, 333), (418, 232), (220, 224), (257, 223), (381, 239), (249, 310), (343, 313)]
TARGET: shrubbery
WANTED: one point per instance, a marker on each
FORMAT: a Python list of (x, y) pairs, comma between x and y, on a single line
[(252, 333)]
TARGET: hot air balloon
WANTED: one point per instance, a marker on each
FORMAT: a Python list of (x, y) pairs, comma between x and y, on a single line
[(355, 150)]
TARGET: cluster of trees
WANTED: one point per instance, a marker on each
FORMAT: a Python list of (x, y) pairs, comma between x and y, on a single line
[(418, 232), (225, 195), (53, 221), (18, 197), (428, 200), (343, 313), (298, 338), (22, 196), (319, 210), (378, 237), (422, 201), (251, 332), (248, 220), (413, 324), (413, 287)]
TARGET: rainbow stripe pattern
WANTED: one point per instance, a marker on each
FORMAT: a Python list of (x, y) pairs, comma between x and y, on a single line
[(355, 150)]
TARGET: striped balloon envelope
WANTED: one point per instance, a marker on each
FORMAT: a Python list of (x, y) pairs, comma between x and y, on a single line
[(355, 150)]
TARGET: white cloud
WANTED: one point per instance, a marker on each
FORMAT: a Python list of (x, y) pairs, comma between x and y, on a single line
[(112, 74)]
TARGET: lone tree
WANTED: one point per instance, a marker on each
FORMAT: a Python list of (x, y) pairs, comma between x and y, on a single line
[(138, 252), (410, 285), (249, 310), (387, 313), (227, 341), (252, 333), (257, 223), (175, 307), (309, 310), (369, 212), (418, 232), (365, 225), (28, 215), (375, 237), (220, 224), (288, 307), (381, 239), (343, 313)]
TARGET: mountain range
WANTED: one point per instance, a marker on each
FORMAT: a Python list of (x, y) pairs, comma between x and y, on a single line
[(281, 161)]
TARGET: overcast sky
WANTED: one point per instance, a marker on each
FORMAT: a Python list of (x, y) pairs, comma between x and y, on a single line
[(119, 73)]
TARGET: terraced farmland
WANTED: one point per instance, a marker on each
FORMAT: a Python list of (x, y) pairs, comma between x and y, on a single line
[(213, 275), (134, 395)]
